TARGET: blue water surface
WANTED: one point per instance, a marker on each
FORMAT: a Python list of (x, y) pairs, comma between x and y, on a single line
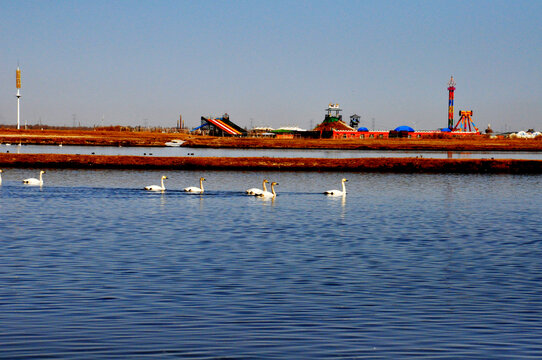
[(403, 266), (273, 153)]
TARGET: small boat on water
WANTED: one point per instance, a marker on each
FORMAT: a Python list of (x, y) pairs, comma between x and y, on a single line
[(175, 142)]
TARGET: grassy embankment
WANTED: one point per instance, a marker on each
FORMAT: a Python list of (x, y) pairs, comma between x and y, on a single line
[(402, 165)]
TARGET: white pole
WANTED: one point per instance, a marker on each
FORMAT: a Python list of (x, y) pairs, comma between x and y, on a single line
[(18, 84), (18, 110)]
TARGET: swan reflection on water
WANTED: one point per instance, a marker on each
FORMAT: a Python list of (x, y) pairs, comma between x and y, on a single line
[(342, 199), (266, 201), (343, 206), (163, 200)]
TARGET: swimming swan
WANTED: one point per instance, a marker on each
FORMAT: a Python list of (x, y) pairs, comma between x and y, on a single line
[(267, 194), (34, 181), (337, 192), (156, 187), (256, 191), (196, 189)]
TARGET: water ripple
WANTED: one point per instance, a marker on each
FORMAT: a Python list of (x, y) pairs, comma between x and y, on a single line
[(401, 269)]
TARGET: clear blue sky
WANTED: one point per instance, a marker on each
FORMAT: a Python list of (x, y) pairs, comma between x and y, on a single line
[(275, 63)]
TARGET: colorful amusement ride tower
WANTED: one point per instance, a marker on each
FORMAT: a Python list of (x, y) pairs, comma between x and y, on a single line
[(451, 89)]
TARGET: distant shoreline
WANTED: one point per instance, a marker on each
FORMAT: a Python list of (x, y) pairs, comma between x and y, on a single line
[(158, 139), (388, 165)]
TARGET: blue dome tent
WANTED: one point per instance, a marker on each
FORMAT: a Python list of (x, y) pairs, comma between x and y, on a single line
[(363, 129), (404, 128)]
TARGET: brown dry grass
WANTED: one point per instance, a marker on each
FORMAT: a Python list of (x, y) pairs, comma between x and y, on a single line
[(398, 165), (126, 138), (82, 137), (480, 143)]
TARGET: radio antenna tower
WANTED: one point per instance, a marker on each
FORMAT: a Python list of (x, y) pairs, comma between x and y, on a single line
[(451, 89), (18, 83)]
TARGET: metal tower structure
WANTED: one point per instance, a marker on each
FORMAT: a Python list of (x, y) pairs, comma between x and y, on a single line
[(354, 121), (332, 114), (465, 122), (18, 83), (451, 89)]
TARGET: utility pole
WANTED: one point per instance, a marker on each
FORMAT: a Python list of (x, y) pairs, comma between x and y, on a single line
[(18, 84)]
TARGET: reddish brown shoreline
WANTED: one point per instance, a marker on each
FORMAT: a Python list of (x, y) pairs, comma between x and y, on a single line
[(479, 143), (87, 137), (397, 165), (144, 138)]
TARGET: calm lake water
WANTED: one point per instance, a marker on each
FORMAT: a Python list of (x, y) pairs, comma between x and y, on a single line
[(289, 153), (404, 266)]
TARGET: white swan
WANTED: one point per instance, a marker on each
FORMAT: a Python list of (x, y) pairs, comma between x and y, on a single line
[(156, 187), (34, 181), (196, 189), (337, 192), (267, 194), (256, 191)]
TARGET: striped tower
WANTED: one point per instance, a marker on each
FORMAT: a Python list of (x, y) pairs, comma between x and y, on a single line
[(451, 89)]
